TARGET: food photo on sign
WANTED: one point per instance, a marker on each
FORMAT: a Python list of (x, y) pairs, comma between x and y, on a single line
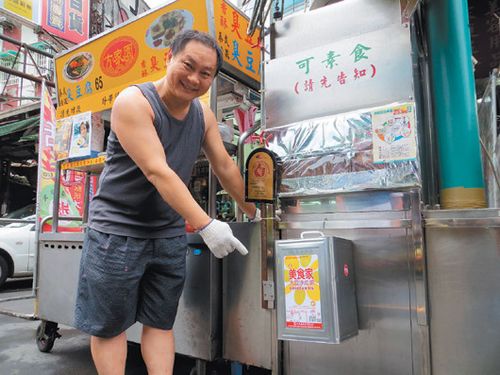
[(163, 30)]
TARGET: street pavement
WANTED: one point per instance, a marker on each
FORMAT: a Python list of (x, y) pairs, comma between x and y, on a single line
[(19, 354)]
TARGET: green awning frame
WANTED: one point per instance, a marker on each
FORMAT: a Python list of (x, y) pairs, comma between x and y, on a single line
[(18, 126), (42, 45)]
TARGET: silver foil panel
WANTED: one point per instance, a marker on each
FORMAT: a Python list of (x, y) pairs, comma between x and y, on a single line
[(334, 154)]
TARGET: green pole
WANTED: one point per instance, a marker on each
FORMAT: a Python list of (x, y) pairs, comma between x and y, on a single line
[(454, 101)]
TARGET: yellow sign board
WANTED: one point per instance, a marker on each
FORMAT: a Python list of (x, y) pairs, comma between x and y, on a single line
[(90, 77), (84, 164), (240, 50), (23, 8)]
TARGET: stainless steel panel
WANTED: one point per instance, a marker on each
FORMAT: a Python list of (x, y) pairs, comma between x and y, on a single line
[(484, 218), (390, 339), (197, 327), (326, 223), (487, 119), (247, 327), (61, 237), (383, 345), (388, 77), (58, 269), (370, 203), (419, 294), (331, 24), (464, 298)]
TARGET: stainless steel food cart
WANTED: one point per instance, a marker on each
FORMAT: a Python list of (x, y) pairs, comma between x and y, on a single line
[(425, 279)]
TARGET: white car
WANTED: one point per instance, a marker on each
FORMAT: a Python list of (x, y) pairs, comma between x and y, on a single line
[(17, 249)]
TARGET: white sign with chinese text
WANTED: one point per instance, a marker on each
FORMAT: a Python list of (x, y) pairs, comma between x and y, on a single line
[(359, 72)]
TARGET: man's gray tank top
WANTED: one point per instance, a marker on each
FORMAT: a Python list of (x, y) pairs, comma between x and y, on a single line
[(126, 203)]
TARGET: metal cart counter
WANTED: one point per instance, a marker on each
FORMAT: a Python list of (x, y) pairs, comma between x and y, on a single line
[(463, 262)]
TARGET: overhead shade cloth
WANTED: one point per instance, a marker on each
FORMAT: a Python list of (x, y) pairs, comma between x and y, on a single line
[(29, 138), (17, 126)]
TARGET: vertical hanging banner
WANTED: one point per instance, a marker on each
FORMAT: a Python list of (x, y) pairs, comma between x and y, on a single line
[(240, 51), (46, 156), (72, 182), (67, 19)]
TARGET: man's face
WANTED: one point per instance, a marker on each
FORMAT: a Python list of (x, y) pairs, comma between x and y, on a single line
[(191, 71)]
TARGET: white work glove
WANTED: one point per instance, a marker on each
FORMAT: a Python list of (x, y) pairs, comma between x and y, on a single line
[(258, 216), (219, 238)]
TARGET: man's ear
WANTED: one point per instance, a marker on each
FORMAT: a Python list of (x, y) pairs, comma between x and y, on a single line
[(169, 56)]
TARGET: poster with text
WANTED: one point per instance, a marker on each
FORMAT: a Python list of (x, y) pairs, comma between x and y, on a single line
[(64, 128), (393, 132), (81, 135), (302, 292)]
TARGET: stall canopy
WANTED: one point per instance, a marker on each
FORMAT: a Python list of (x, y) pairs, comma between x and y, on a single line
[(18, 126), (18, 138)]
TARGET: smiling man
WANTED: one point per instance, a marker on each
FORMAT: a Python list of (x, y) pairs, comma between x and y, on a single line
[(133, 260)]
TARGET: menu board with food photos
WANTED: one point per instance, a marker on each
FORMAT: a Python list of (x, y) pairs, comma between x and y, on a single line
[(90, 76)]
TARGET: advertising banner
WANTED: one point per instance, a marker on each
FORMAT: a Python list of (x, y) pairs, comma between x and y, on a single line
[(72, 182), (46, 156), (240, 51), (29, 9), (67, 19), (90, 77)]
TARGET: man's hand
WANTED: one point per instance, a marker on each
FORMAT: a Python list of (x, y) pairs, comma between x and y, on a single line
[(220, 239)]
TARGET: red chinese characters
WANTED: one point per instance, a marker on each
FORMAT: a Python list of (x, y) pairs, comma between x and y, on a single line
[(119, 56)]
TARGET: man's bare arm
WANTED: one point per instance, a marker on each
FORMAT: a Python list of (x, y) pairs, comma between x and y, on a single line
[(224, 167)]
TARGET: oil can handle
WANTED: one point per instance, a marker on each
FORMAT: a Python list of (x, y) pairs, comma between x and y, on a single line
[(317, 234)]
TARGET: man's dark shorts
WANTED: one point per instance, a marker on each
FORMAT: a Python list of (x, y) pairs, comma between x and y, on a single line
[(126, 279)]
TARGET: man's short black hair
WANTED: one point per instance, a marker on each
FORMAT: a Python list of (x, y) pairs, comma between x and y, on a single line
[(182, 38)]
